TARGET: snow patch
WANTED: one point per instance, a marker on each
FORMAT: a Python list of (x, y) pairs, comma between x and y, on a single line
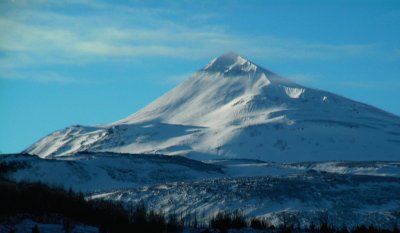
[(294, 92)]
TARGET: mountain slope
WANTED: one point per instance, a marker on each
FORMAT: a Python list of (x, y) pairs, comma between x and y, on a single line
[(234, 108)]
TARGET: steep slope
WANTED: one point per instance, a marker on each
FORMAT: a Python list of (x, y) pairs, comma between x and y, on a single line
[(229, 90), (234, 108)]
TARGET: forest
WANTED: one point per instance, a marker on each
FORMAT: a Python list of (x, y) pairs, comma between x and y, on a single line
[(49, 204)]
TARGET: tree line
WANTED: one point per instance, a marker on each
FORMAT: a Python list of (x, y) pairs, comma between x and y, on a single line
[(225, 221), (49, 204)]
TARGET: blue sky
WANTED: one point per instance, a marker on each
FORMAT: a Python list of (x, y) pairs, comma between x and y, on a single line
[(90, 62)]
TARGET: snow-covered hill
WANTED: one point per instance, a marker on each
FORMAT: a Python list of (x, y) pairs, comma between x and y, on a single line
[(350, 193), (104, 171), (98, 172), (301, 198), (232, 108)]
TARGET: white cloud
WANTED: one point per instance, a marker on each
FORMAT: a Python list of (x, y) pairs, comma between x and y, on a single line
[(38, 36), (43, 77)]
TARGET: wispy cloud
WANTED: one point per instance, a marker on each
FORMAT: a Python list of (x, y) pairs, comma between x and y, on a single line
[(36, 35), (44, 77)]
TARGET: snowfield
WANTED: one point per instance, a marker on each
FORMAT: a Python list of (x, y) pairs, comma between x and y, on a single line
[(26, 225)]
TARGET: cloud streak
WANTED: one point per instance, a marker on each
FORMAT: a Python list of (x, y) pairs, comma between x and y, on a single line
[(37, 35), (46, 77), (158, 38)]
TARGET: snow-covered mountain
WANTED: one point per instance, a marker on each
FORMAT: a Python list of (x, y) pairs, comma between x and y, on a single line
[(234, 108)]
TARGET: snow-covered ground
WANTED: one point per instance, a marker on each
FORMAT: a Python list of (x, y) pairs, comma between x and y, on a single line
[(344, 192), (96, 172), (307, 197), (26, 225)]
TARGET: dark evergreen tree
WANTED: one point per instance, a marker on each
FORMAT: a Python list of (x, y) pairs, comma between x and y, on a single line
[(360, 229), (256, 223), (396, 229), (35, 229), (343, 229), (312, 227)]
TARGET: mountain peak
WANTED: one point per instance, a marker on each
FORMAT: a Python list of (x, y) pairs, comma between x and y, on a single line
[(235, 108), (230, 63)]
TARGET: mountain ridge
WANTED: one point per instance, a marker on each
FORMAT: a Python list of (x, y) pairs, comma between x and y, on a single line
[(237, 109)]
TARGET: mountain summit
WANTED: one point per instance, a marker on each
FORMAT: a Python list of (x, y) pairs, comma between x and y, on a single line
[(214, 95), (230, 63), (234, 108)]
